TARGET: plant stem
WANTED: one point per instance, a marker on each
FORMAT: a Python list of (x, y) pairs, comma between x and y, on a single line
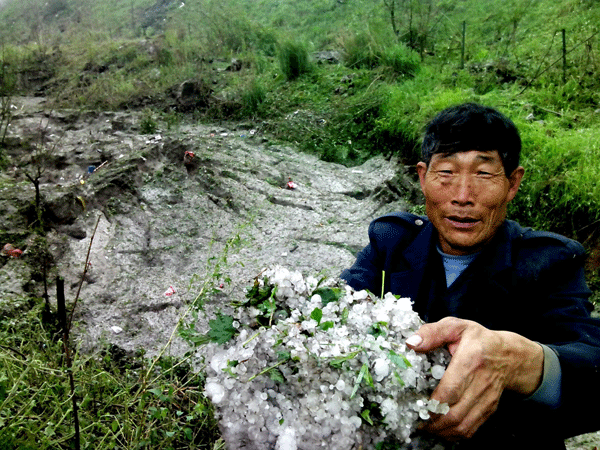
[(277, 364)]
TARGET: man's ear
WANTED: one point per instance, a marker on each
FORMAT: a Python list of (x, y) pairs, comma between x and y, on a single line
[(422, 171), (514, 181)]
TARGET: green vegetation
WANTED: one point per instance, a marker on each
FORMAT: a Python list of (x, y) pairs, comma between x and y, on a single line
[(121, 403), (398, 63)]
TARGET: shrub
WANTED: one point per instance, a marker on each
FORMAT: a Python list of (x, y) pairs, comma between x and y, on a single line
[(368, 51), (360, 51), (148, 124), (252, 98), (401, 60), (294, 59), (560, 191)]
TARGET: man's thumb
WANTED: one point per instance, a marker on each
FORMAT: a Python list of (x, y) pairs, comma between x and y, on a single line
[(437, 334)]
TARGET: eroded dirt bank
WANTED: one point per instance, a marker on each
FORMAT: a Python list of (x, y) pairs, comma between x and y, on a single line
[(160, 221)]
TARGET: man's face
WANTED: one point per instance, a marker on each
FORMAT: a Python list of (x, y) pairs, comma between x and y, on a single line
[(466, 194)]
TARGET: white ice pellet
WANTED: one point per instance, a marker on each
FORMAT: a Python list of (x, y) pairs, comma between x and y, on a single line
[(215, 392), (437, 371), (381, 369)]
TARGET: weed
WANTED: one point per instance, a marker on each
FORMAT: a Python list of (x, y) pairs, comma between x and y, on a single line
[(148, 124), (252, 98), (293, 59)]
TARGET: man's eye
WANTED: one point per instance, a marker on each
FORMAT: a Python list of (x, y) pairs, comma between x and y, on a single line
[(483, 173), (445, 172)]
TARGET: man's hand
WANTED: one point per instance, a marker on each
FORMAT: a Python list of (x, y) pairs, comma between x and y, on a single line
[(484, 363)]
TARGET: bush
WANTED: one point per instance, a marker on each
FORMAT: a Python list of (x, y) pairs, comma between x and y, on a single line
[(148, 124), (294, 59), (252, 98), (560, 191), (368, 51), (401, 60), (360, 51)]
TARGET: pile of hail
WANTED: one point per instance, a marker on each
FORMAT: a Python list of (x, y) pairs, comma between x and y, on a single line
[(304, 364)]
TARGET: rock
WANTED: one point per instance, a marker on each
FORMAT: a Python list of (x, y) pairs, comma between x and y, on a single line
[(192, 95), (330, 57), (235, 66)]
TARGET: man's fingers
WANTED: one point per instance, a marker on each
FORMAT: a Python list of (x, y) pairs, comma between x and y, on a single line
[(438, 334), (465, 416)]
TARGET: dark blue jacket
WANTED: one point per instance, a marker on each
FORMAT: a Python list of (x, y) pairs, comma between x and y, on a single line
[(525, 281)]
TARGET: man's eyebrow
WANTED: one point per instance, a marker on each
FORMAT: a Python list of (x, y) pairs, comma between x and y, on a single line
[(485, 156)]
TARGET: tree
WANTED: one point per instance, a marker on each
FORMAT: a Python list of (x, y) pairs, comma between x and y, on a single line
[(415, 21)]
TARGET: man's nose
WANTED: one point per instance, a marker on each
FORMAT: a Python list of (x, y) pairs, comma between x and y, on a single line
[(463, 190)]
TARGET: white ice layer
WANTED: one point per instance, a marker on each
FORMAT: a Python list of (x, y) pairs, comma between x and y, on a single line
[(320, 405)]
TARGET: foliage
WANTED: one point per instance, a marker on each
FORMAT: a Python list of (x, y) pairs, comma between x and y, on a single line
[(121, 405), (253, 98), (293, 59), (148, 124), (371, 50)]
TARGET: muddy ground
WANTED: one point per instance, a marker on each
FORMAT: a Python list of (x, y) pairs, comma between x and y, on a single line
[(164, 220)]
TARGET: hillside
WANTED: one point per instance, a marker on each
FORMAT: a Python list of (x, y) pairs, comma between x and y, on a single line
[(101, 100)]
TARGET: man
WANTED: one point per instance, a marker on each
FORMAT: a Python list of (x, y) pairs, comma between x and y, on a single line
[(510, 304)]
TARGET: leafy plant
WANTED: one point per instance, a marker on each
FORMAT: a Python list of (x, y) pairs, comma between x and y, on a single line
[(148, 124), (293, 59)]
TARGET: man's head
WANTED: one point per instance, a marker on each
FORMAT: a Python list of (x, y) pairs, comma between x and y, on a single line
[(469, 173), (473, 127)]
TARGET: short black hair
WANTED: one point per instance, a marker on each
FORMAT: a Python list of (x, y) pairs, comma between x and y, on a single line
[(471, 126)]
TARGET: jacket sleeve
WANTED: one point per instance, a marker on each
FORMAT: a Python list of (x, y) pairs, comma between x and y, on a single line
[(565, 325), (365, 273), (388, 237)]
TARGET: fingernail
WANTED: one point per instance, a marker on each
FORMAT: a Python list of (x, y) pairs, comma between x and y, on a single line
[(415, 340)]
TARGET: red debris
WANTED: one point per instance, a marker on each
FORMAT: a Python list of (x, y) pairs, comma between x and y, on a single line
[(170, 291), (290, 184), (9, 250), (187, 157)]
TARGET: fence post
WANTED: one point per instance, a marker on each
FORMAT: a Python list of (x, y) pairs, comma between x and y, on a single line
[(564, 55), (462, 52), (61, 308)]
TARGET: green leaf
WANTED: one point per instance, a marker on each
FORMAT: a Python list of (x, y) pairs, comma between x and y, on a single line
[(378, 329), (326, 325), (399, 378), (114, 426), (157, 392), (317, 315), (399, 360), (221, 329), (188, 433), (345, 314), (339, 360), (366, 414), (329, 294), (364, 372), (283, 356), (368, 378), (276, 375), (258, 294)]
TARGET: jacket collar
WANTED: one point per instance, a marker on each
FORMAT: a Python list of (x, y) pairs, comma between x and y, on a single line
[(498, 252)]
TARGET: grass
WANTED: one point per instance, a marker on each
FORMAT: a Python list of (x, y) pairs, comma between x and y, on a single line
[(120, 406)]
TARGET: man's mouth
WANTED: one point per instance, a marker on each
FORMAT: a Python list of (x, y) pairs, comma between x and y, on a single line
[(462, 222)]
